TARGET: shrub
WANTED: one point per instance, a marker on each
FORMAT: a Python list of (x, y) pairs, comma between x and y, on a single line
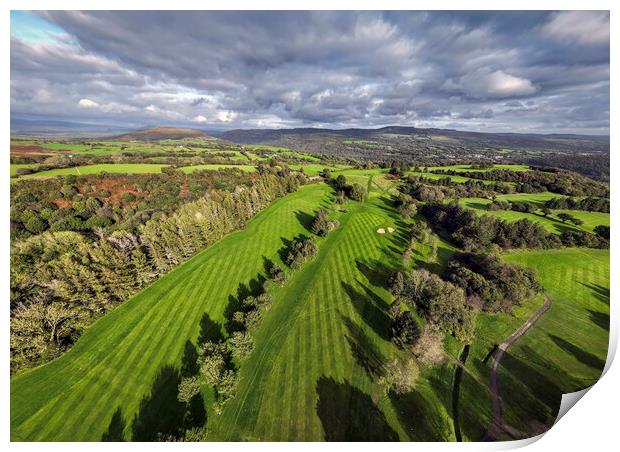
[(400, 377), (188, 389), (357, 192), (241, 343)]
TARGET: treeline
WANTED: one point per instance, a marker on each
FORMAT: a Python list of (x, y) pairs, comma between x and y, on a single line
[(111, 201), (590, 204), (535, 181), (62, 281), (491, 284), (470, 231)]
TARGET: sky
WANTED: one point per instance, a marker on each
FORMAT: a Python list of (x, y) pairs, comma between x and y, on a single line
[(525, 72)]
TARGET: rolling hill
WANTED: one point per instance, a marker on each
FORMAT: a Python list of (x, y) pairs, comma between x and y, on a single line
[(161, 133)]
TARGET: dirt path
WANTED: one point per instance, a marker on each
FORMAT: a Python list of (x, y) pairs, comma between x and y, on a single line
[(497, 423)]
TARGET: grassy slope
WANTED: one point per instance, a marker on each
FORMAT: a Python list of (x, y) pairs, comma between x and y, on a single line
[(551, 223), (116, 360), (191, 169), (120, 168), (567, 349), (563, 352), (329, 322)]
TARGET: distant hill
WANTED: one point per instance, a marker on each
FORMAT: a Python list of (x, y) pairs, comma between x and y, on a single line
[(272, 136), (160, 133)]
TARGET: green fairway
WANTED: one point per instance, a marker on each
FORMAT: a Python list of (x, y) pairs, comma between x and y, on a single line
[(456, 179), (321, 348), (564, 351), (112, 168), (314, 169), (552, 223), (462, 168), (191, 169), (114, 363)]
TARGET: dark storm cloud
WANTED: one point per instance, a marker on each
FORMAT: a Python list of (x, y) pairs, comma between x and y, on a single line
[(513, 71)]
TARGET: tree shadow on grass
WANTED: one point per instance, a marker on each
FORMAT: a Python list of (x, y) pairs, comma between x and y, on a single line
[(364, 351), (348, 414), (116, 428), (601, 293), (419, 418), (526, 392), (160, 412), (581, 355), (189, 361), (599, 318), (210, 331), (376, 272), (305, 219), (366, 306)]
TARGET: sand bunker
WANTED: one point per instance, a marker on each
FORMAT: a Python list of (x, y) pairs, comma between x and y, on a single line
[(390, 230), (380, 231)]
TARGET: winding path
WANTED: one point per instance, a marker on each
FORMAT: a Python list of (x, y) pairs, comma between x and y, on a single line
[(497, 424)]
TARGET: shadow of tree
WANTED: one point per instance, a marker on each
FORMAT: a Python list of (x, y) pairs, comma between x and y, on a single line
[(525, 391), (348, 414), (364, 351), (600, 319), (116, 428), (160, 412), (601, 293), (376, 272), (419, 418), (305, 219), (366, 306), (581, 355), (189, 361), (209, 330)]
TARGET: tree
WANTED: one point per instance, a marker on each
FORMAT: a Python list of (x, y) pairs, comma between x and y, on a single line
[(565, 217), (357, 192), (189, 387), (213, 361), (277, 274), (241, 343), (546, 212), (228, 384), (405, 330), (321, 224), (341, 182), (400, 376), (576, 221), (602, 231)]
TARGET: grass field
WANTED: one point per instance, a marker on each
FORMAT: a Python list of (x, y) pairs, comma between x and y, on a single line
[(456, 179), (18, 166), (323, 343), (565, 351), (551, 223), (114, 363), (112, 168), (191, 169), (463, 168), (314, 169), (313, 373)]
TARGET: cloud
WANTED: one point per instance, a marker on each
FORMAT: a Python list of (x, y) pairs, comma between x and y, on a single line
[(87, 103), (498, 84), (322, 69), (581, 27)]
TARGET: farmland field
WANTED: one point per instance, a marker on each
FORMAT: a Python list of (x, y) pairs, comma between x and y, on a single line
[(121, 168), (191, 169), (551, 223)]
